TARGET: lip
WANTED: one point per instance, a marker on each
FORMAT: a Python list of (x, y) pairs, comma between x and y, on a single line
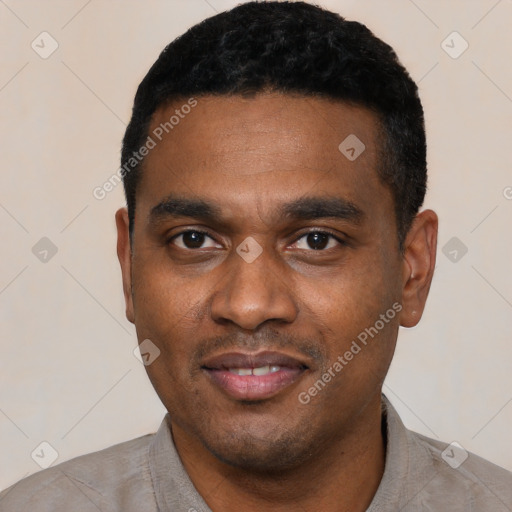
[(253, 387)]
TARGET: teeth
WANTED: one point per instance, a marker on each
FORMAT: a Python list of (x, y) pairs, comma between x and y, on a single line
[(262, 370), (241, 371)]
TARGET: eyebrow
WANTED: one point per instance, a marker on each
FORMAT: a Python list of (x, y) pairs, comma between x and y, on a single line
[(304, 208), (311, 208)]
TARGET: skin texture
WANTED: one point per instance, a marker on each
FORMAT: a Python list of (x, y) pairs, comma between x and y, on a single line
[(249, 156)]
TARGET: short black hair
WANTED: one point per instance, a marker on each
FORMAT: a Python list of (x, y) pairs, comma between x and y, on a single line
[(291, 47)]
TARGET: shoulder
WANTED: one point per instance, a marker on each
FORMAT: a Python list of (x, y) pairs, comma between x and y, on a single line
[(100, 480), (462, 476)]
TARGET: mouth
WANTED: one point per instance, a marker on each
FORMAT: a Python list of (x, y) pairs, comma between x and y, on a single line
[(253, 377)]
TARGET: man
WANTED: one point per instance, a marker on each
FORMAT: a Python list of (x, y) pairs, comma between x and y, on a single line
[(274, 168)]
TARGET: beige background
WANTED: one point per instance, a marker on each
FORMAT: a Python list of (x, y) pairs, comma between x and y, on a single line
[(68, 375)]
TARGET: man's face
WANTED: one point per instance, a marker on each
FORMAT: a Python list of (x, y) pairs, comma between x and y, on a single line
[(296, 256)]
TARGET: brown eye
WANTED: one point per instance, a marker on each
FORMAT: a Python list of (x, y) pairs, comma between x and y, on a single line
[(193, 239), (317, 241)]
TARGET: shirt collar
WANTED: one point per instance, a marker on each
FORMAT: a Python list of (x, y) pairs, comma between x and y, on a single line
[(174, 491), (408, 467)]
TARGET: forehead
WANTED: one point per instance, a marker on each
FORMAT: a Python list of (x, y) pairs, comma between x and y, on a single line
[(261, 151), (300, 126)]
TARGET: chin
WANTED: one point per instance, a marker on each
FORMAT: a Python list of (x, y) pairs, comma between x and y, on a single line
[(271, 454)]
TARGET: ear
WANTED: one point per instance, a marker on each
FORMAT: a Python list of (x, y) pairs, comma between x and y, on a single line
[(419, 260), (124, 254)]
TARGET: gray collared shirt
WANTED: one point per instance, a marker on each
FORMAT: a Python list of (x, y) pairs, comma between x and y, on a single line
[(146, 475)]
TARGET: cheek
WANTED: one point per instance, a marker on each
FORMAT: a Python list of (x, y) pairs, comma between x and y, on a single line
[(346, 310), (168, 313), (350, 298), (161, 298), (165, 314)]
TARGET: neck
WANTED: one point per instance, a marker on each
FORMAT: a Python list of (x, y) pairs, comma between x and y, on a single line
[(342, 477)]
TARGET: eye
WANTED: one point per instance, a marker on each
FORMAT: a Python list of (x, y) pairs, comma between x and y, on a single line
[(318, 241), (193, 239)]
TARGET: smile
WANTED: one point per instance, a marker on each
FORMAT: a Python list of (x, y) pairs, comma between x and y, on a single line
[(262, 370), (253, 376)]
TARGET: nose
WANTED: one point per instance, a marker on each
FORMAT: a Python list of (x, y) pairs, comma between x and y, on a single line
[(253, 293)]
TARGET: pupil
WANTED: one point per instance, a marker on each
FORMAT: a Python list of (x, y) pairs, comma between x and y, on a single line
[(193, 239), (317, 240)]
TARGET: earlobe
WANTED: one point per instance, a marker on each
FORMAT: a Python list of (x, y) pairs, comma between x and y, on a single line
[(125, 259), (418, 266)]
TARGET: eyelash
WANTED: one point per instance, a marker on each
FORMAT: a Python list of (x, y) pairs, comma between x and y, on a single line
[(206, 233)]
